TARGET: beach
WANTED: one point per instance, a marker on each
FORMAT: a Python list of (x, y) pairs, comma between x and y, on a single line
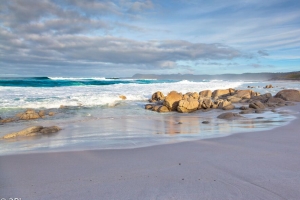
[(252, 165)]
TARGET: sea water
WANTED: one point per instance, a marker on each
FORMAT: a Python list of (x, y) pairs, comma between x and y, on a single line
[(95, 117)]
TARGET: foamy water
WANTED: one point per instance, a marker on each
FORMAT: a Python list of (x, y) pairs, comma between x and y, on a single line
[(104, 121)]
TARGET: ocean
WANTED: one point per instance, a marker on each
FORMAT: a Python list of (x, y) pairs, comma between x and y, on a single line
[(95, 117)]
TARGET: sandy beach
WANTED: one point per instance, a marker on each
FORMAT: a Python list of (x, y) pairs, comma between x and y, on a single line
[(255, 165)]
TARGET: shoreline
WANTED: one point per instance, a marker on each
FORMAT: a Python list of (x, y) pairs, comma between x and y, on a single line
[(251, 165)]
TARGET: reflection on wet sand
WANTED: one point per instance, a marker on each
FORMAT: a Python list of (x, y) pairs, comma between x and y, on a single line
[(128, 131)]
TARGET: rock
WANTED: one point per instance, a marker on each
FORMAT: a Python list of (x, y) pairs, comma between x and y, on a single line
[(148, 106), (224, 103), (122, 97), (156, 107), (7, 120), (259, 111), (228, 115), (24, 132), (246, 111), (172, 100), (158, 96), (49, 130), (29, 115), (229, 107), (289, 95), (51, 113), (244, 108), (188, 105), (234, 99), (163, 109), (41, 113), (33, 131), (205, 122), (61, 106), (243, 94), (257, 105), (218, 93), (206, 103), (268, 86), (274, 100), (205, 93)]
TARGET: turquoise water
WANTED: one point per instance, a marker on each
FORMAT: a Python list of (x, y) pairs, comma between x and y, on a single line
[(63, 82)]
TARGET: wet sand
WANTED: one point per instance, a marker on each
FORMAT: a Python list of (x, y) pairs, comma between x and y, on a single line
[(253, 165)]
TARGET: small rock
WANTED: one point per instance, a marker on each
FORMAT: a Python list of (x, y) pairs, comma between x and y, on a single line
[(228, 115), (51, 113), (205, 122), (122, 97), (148, 106)]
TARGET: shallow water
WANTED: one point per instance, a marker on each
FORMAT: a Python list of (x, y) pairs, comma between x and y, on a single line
[(106, 122)]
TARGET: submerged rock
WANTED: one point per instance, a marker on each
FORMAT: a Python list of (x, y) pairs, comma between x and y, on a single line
[(229, 115), (32, 131)]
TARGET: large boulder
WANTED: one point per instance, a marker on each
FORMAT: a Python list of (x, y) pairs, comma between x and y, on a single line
[(244, 94), (172, 100), (289, 95), (218, 93), (229, 115), (274, 100), (188, 105), (205, 93)]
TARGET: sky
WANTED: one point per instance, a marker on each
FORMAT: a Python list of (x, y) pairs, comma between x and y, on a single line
[(119, 38)]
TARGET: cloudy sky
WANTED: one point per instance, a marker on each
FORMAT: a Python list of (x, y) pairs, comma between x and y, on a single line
[(123, 37)]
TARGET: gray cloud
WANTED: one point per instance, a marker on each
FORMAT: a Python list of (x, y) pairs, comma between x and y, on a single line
[(71, 34), (263, 53)]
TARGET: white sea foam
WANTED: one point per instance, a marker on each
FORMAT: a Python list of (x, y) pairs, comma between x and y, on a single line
[(33, 97)]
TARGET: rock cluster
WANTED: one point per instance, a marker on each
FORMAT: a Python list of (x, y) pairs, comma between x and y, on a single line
[(33, 131), (219, 99), (29, 114)]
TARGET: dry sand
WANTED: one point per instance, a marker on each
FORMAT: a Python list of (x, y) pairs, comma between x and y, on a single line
[(257, 165)]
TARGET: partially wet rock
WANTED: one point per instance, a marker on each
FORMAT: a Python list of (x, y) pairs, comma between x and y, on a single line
[(156, 107), (25, 132), (32, 131), (49, 130), (289, 95), (229, 115), (246, 111), (163, 109), (229, 107), (149, 106)]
